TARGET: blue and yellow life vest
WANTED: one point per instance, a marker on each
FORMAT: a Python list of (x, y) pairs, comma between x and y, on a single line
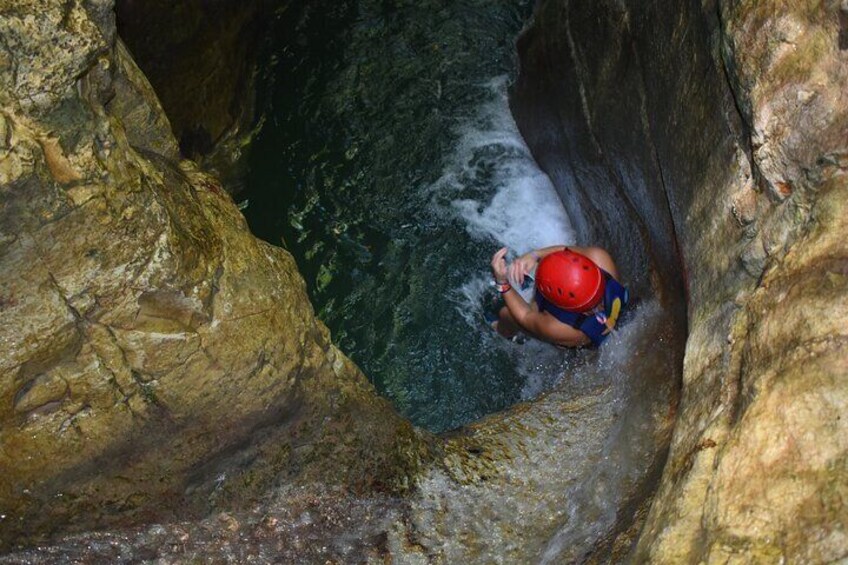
[(595, 324)]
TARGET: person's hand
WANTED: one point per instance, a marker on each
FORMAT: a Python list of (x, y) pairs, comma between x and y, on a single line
[(521, 267), (499, 266)]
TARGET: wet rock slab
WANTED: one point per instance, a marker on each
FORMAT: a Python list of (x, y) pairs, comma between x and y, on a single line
[(742, 108)]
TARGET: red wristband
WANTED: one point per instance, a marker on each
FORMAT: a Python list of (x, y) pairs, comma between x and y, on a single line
[(503, 287)]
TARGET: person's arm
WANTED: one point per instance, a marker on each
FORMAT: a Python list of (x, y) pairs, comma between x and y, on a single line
[(530, 320), (542, 326), (525, 263)]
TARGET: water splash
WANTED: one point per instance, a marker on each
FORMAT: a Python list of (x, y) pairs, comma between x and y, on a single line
[(495, 186), (594, 504), (492, 183)]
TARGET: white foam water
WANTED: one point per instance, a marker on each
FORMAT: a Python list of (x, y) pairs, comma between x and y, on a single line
[(493, 184), (514, 203)]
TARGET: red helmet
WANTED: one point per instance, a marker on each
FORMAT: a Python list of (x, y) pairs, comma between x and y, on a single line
[(570, 281)]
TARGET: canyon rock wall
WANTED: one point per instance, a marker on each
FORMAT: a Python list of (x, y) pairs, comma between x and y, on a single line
[(720, 129), (200, 58), (154, 355)]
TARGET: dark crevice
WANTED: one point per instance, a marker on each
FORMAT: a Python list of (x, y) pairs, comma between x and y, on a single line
[(666, 192), (675, 241), (617, 181), (579, 72), (745, 135)]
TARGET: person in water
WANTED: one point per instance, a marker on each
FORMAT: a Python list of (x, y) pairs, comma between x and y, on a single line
[(578, 298)]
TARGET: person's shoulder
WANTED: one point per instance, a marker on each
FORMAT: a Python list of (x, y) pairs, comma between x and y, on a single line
[(589, 249), (601, 257)]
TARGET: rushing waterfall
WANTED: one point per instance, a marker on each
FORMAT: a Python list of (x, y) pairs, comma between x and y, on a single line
[(496, 188)]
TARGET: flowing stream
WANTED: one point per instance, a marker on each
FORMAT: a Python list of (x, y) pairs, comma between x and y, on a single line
[(389, 165)]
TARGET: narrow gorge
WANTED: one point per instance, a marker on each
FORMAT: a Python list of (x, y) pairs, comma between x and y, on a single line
[(243, 251)]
